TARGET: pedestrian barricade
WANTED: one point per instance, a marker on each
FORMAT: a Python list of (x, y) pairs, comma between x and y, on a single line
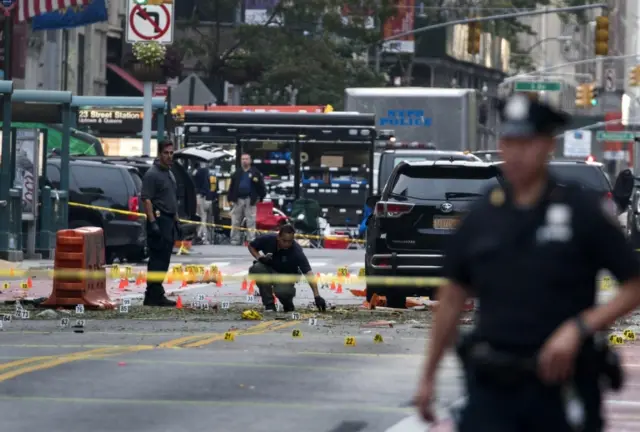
[(79, 260)]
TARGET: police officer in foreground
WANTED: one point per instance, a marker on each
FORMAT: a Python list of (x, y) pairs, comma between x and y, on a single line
[(280, 255), (529, 251), (159, 196)]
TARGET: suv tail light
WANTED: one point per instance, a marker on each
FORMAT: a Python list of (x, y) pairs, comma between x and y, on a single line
[(386, 209), (134, 206)]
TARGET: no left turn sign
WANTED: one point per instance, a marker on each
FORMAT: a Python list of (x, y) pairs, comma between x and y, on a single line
[(150, 22)]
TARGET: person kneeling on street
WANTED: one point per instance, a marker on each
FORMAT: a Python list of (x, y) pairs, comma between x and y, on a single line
[(280, 254)]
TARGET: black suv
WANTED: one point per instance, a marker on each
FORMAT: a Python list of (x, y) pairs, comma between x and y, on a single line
[(111, 185), (418, 210)]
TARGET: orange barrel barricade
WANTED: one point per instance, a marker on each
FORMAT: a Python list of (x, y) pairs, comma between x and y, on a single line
[(81, 250)]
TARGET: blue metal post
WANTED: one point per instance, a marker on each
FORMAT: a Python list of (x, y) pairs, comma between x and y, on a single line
[(160, 124), (64, 151)]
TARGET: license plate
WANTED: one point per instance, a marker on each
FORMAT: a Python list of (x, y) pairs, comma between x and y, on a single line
[(446, 223)]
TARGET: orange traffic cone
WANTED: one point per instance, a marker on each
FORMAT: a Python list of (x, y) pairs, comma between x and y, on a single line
[(252, 287), (184, 283), (219, 279), (244, 285), (333, 285), (339, 290), (170, 277), (29, 283), (179, 303), (121, 285)]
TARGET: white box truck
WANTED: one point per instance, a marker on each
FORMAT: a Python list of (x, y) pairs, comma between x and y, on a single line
[(445, 117)]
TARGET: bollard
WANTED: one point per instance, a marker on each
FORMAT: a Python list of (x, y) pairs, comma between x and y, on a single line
[(77, 250), (45, 240)]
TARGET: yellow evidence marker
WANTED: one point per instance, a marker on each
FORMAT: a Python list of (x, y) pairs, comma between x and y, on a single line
[(616, 339), (24, 285), (296, 333), (350, 341), (378, 338), (629, 334), (115, 272), (229, 337)]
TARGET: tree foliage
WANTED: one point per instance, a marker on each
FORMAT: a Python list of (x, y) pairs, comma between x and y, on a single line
[(313, 48), (316, 48)]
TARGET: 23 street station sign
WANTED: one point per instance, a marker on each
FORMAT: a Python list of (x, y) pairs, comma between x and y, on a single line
[(124, 121)]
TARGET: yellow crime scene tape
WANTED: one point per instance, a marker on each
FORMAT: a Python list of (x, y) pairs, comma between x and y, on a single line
[(195, 273), (213, 225)]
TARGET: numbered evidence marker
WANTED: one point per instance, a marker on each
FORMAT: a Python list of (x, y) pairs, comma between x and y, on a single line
[(296, 333), (80, 323), (205, 306), (24, 314), (629, 334), (313, 321), (7, 318), (124, 309), (295, 316), (350, 341), (250, 299), (115, 272), (342, 272), (616, 339), (229, 336), (126, 302), (606, 283), (80, 309), (24, 286), (224, 305), (200, 297), (6, 286), (64, 322), (378, 338)]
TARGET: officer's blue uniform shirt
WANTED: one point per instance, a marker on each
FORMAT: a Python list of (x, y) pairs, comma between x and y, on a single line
[(287, 261), (533, 268)]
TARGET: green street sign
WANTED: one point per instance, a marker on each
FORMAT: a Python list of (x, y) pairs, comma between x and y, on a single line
[(615, 136), (532, 86)]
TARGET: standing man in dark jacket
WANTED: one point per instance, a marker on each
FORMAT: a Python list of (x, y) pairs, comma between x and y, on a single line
[(159, 195), (205, 196), (246, 188)]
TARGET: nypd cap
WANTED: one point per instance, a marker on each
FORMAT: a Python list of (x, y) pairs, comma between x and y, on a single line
[(523, 117)]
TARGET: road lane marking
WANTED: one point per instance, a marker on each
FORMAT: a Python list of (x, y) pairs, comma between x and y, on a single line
[(194, 340), (22, 361), (240, 274), (267, 326), (68, 358), (311, 406)]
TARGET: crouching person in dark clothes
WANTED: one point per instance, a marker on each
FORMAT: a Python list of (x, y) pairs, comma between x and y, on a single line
[(281, 255), (159, 195)]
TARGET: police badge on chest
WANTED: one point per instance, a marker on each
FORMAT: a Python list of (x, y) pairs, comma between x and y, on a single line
[(557, 227)]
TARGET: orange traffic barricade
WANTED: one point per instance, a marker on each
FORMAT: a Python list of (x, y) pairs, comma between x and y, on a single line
[(81, 250)]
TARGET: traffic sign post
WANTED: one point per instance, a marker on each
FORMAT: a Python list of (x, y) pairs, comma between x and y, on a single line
[(616, 136), (150, 22), (527, 86)]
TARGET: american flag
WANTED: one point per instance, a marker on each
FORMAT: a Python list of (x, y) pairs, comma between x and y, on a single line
[(31, 8)]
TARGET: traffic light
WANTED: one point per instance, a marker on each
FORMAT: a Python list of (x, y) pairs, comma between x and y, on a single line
[(475, 34), (584, 95), (602, 35), (634, 77), (594, 96)]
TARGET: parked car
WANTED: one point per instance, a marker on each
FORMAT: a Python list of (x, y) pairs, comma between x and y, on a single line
[(111, 185), (187, 203), (418, 210)]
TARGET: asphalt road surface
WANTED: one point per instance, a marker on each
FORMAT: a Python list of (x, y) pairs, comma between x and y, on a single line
[(156, 379), (182, 375)]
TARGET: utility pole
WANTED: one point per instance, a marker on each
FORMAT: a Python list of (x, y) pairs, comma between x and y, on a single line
[(491, 18)]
